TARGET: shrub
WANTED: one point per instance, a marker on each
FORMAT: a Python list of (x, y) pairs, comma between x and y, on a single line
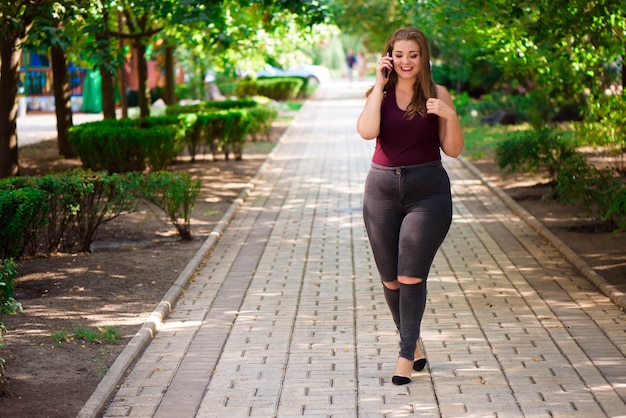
[(236, 123), (162, 144), (23, 212), (97, 198), (280, 89), (8, 305), (210, 105), (617, 208), (464, 105), (498, 101), (262, 118), (205, 128), (247, 88), (192, 133), (212, 131), (107, 145), (533, 151), (221, 126), (227, 88), (606, 126), (175, 193), (78, 203), (64, 211), (8, 273), (222, 131), (600, 193), (229, 104), (121, 146)]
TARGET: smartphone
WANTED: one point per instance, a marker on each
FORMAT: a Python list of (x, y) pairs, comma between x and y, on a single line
[(386, 70)]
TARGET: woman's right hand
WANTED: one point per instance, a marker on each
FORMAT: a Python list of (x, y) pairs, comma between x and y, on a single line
[(368, 124), (385, 64)]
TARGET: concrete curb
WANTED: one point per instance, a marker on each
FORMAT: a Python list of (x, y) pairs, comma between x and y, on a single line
[(609, 290), (96, 404)]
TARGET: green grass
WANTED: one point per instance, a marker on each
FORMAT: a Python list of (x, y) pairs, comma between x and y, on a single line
[(102, 372), (58, 337), (289, 105), (481, 140), (99, 335)]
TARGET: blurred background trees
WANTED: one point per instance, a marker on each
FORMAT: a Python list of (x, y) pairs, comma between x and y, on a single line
[(565, 57)]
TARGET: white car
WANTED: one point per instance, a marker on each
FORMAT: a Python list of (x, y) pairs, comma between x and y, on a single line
[(316, 73)]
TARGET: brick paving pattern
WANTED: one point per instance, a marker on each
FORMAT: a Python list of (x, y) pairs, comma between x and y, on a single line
[(286, 317)]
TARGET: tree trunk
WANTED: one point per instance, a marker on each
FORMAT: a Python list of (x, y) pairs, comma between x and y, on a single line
[(121, 74), (123, 87), (142, 74), (170, 81), (62, 101), (9, 77), (108, 93)]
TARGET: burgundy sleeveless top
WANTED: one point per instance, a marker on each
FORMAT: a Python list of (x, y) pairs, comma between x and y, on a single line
[(403, 142)]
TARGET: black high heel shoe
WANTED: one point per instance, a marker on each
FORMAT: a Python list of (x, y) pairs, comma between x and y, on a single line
[(418, 365), (400, 380)]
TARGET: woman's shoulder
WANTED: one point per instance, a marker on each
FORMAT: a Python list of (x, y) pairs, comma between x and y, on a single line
[(441, 89), (443, 94)]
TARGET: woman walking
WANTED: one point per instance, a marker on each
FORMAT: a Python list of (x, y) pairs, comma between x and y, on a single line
[(407, 204)]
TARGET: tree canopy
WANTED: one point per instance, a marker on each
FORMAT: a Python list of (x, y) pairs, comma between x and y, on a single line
[(559, 51), (212, 32)]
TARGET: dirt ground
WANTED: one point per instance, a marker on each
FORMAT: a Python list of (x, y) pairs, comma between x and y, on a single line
[(137, 258), (604, 252)]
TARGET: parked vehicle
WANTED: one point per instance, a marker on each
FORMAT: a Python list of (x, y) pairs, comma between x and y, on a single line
[(315, 73)]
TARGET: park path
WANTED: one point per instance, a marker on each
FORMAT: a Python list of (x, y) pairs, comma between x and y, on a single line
[(286, 317), (41, 126)]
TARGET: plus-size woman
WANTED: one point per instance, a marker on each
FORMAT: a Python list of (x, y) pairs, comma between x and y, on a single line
[(407, 204)]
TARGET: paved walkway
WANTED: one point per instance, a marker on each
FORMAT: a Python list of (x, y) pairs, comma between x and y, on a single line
[(40, 126), (286, 316)]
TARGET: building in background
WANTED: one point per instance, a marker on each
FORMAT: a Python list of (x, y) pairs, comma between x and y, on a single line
[(35, 90)]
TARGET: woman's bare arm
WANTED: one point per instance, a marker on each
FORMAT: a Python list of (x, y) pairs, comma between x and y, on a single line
[(450, 133)]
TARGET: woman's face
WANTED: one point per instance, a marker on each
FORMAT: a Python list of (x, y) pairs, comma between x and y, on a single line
[(407, 57)]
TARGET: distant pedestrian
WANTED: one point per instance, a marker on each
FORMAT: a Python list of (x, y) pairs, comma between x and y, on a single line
[(362, 66), (407, 204), (351, 61)]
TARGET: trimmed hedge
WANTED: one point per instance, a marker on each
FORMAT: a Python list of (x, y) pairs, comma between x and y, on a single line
[(262, 119), (22, 213), (225, 131), (122, 146), (210, 105), (275, 88)]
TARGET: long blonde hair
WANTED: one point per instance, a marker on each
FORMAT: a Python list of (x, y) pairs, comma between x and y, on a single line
[(424, 87)]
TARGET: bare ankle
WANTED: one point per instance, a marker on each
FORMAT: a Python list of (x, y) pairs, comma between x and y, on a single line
[(404, 367), (419, 353)]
